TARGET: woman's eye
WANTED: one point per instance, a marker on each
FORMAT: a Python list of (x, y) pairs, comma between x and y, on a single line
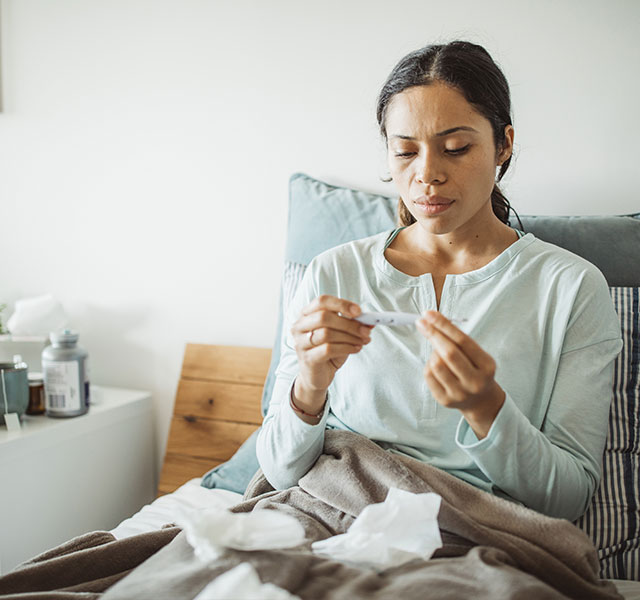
[(458, 150), (404, 154)]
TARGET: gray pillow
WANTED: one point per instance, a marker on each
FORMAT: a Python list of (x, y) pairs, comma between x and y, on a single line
[(611, 243)]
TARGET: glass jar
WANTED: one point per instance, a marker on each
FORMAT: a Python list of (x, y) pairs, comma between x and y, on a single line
[(36, 394)]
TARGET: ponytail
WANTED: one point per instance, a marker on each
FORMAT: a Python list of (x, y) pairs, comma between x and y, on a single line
[(502, 207)]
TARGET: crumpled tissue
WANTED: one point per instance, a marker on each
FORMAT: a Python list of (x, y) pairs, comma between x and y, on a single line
[(243, 583), (212, 531), (37, 316), (390, 533)]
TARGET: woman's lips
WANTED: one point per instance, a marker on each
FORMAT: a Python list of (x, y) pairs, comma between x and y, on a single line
[(432, 205)]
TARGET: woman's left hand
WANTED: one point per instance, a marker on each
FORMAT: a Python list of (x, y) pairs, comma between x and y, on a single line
[(460, 374)]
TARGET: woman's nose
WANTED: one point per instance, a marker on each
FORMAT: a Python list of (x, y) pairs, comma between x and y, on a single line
[(430, 170)]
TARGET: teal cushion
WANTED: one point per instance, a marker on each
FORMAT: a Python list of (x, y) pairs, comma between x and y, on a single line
[(236, 473), (322, 216)]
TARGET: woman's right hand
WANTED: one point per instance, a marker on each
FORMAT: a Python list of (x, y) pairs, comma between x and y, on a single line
[(323, 340)]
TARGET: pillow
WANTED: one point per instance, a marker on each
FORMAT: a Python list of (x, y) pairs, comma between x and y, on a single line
[(611, 243), (613, 517)]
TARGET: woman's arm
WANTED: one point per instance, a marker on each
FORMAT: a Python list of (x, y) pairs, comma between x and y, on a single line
[(554, 469), (316, 345), (287, 447)]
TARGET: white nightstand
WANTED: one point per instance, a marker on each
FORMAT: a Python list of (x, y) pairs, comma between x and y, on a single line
[(60, 478)]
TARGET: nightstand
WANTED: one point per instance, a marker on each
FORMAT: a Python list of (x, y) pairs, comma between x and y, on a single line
[(60, 478)]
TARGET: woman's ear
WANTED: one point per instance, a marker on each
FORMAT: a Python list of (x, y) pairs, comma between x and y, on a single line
[(507, 146)]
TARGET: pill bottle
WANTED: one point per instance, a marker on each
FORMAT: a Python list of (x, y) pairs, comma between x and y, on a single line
[(36, 394), (66, 375)]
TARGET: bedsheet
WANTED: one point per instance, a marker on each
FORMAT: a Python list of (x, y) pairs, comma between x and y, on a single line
[(163, 510)]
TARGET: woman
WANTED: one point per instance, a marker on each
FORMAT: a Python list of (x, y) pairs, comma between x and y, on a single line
[(514, 400)]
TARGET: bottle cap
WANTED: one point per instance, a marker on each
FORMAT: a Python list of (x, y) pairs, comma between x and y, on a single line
[(35, 378), (65, 336)]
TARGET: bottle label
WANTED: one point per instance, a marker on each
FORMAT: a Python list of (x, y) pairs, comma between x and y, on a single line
[(62, 385)]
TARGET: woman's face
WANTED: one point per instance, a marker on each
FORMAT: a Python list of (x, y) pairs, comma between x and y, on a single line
[(442, 157)]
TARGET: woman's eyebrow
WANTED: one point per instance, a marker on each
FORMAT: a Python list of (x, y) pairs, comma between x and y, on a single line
[(439, 134), (454, 129)]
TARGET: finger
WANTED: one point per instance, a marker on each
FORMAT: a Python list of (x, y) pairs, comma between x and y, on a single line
[(323, 335), (324, 319), (327, 352), (470, 347), (433, 384), (331, 303), (447, 380), (449, 352)]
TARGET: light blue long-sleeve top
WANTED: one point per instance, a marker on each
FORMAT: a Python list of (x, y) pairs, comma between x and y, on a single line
[(544, 314)]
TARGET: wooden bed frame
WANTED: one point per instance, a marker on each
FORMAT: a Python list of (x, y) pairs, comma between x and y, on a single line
[(217, 407)]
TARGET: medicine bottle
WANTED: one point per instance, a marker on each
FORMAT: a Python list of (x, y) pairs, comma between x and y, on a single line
[(66, 375), (36, 394)]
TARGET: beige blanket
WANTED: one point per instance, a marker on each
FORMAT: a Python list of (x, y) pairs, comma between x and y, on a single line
[(492, 548)]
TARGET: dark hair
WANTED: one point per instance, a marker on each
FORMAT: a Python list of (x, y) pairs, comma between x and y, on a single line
[(470, 69)]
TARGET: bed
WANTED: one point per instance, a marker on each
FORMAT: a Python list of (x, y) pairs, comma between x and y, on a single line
[(224, 391)]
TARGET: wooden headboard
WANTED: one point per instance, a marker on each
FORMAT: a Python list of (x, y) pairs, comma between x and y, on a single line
[(217, 408)]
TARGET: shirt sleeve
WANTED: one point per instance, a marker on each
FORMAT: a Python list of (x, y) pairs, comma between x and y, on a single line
[(287, 447), (556, 469)]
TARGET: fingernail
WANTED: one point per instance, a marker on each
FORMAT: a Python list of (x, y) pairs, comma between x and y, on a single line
[(354, 310)]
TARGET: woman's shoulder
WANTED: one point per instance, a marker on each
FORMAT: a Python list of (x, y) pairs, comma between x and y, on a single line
[(558, 272), (341, 269), (363, 248), (553, 258)]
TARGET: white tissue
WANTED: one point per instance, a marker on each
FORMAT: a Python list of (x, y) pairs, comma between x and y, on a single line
[(37, 316), (242, 583), (388, 534), (211, 531)]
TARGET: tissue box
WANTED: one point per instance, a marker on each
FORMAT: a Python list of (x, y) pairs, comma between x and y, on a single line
[(28, 347)]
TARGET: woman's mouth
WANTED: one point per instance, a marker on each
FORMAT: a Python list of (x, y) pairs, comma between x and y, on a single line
[(432, 205)]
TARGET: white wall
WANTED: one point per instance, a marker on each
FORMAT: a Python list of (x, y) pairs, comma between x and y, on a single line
[(145, 147)]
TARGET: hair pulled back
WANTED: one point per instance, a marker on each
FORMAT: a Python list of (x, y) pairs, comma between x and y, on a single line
[(468, 68)]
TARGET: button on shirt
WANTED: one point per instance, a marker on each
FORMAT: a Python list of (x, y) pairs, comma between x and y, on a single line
[(544, 315)]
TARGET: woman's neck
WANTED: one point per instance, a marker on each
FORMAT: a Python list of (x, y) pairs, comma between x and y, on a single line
[(451, 246), (416, 250)]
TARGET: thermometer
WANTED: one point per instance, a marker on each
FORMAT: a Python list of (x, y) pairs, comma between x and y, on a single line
[(393, 318)]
